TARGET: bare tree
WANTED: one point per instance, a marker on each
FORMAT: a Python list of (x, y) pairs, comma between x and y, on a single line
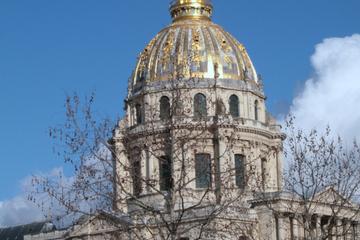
[(321, 183), (170, 200)]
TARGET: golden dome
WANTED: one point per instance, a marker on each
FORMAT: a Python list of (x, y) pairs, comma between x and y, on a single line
[(195, 47)]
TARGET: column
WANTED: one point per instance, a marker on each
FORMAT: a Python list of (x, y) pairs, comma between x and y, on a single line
[(318, 231), (353, 231), (276, 227), (333, 232), (307, 230), (280, 227), (298, 228), (348, 230), (123, 182), (154, 170), (295, 228), (356, 230), (284, 227), (339, 229)]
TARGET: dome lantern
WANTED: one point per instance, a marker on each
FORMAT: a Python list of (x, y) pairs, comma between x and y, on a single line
[(193, 9)]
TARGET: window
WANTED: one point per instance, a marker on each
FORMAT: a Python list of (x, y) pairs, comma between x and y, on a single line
[(165, 173), (263, 172), (256, 110), (164, 108), (136, 172), (203, 170), (200, 109), (139, 114), (234, 106), (240, 170)]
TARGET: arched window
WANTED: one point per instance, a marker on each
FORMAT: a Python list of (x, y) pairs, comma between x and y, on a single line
[(164, 108), (200, 109), (139, 114), (234, 106), (136, 172), (240, 170), (256, 110)]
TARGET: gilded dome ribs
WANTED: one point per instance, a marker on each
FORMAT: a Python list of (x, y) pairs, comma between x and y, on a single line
[(179, 55), (157, 49), (240, 67), (191, 47), (166, 53), (206, 48)]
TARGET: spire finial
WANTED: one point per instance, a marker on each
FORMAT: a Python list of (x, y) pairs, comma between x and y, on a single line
[(193, 9)]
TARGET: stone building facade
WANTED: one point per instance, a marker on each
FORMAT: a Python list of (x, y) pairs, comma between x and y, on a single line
[(197, 146)]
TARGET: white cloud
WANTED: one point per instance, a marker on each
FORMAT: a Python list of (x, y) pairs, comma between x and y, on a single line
[(332, 96), (19, 210)]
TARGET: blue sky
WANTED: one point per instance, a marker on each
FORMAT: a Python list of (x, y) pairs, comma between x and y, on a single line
[(52, 47)]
